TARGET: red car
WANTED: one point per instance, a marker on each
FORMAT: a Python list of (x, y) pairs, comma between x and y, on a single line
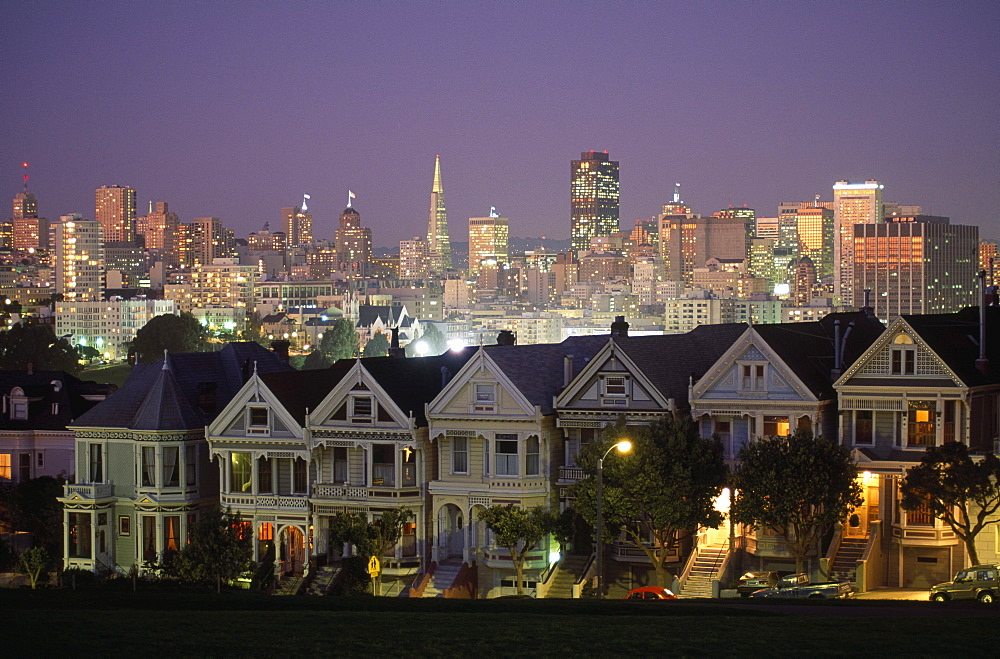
[(650, 593)]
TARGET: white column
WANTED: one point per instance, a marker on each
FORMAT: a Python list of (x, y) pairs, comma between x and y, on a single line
[(65, 538)]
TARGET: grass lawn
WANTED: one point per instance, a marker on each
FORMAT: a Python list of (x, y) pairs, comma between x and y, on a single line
[(110, 373), (100, 622)]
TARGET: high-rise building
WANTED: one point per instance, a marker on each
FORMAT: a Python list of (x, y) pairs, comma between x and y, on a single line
[(915, 267), (354, 243), (853, 203), (79, 259), (594, 192), (814, 226), (114, 208), (25, 204), (488, 238), (203, 240), (988, 260), (159, 229), (297, 224), (30, 232), (749, 217), (415, 259), (438, 241), (688, 241)]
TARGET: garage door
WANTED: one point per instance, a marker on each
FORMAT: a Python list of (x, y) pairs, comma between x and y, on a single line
[(925, 566)]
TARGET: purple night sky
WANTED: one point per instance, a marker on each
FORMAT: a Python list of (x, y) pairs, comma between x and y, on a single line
[(235, 109)]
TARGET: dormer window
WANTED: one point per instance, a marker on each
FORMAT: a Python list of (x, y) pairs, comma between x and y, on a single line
[(18, 404), (362, 409), (903, 356), (258, 420), (486, 396), (615, 385)]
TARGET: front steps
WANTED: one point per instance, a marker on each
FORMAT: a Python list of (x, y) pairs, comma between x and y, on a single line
[(704, 572)]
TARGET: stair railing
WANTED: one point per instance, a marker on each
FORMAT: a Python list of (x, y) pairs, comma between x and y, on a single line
[(689, 565)]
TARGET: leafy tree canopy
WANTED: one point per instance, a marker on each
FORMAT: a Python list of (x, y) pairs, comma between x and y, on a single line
[(32, 343), (798, 485), (340, 341), (520, 531), (314, 360), (220, 550), (436, 342), (377, 346), (663, 489), (33, 506), (176, 334), (33, 562), (375, 538), (957, 488)]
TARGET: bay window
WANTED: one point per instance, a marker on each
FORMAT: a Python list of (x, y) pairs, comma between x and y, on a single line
[(506, 454), (240, 469), (531, 456), (171, 470)]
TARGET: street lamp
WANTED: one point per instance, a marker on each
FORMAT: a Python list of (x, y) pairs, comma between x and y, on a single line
[(623, 446)]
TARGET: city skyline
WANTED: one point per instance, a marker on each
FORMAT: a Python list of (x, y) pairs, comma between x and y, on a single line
[(741, 105)]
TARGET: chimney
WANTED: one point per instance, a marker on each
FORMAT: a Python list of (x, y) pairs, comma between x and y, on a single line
[(280, 348), (445, 376), (394, 349), (619, 328), (506, 338)]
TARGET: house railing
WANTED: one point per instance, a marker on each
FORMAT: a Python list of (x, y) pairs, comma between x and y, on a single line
[(89, 490), (589, 571), (868, 573), (264, 501), (465, 584), (685, 574), (424, 578), (570, 474)]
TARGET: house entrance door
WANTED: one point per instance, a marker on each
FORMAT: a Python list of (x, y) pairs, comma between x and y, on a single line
[(293, 552), (858, 524)]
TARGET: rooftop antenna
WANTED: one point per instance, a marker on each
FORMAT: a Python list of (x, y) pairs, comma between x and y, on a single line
[(305, 202), (677, 193), (25, 166)]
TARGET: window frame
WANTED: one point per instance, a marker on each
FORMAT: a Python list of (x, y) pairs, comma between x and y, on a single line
[(459, 447), (506, 461), (365, 412), (253, 426), (484, 396), (752, 376)]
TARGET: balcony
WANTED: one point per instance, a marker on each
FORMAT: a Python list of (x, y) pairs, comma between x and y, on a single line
[(89, 490), (270, 501), (333, 491), (571, 475)]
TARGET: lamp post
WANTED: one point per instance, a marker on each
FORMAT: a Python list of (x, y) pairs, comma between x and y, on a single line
[(623, 446)]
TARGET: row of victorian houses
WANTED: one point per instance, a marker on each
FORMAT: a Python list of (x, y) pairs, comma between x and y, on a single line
[(446, 436)]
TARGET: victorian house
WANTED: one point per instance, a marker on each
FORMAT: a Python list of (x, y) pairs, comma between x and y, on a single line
[(296, 449), (497, 442), (927, 380), (142, 464)]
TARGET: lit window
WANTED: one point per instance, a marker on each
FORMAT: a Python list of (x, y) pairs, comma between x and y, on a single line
[(776, 426), (5, 466)]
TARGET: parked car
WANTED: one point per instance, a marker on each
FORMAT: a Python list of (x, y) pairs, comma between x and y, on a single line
[(980, 582), (650, 593), (799, 586), (754, 581)]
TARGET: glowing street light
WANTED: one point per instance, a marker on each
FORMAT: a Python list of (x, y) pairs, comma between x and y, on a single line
[(623, 446)]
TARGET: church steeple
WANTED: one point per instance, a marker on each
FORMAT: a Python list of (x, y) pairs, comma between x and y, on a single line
[(438, 242)]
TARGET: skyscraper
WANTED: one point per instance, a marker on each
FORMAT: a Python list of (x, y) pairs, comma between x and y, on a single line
[(487, 241), (594, 193), (159, 230), (354, 243), (814, 226), (853, 203), (29, 230), (915, 265), (297, 225), (114, 208), (437, 225), (79, 259)]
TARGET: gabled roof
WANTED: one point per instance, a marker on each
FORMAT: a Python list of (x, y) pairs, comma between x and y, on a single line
[(70, 394), (808, 348), (390, 316), (671, 361), (205, 381), (954, 337), (537, 370)]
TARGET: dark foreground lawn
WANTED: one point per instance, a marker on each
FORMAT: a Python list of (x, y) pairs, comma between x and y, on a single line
[(104, 623)]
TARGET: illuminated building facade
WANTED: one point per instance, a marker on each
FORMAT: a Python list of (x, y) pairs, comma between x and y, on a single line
[(203, 240), (487, 241), (29, 231), (297, 224), (438, 241), (79, 259), (114, 208), (853, 203), (914, 267), (159, 229), (594, 192), (354, 243), (688, 241), (415, 259), (988, 260), (814, 226)]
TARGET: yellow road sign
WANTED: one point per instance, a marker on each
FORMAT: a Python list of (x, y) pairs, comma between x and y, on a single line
[(373, 566)]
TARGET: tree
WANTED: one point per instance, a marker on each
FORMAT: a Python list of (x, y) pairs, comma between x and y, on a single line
[(799, 485), (377, 346), (31, 343), (254, 330), (33, 506), (340, 341), (220, 549), (957, 488), (375, 538), (314, 360), (664, 489), (33, 562), (432, 337), (519, 531), (176, 334)]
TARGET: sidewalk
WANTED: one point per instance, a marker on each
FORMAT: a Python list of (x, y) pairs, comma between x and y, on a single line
[(917, 594)]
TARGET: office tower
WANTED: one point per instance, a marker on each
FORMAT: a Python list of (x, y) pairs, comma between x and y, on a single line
[(814, 226), (25, 204), (988, 259), (761, 259), (415, 259), (594, 192), (915, 267), (437, 225), (114, 208), (688, 241), (29, 231), (202, 241), (487, 241), (159, 229), (749, 217), (803, 282), (853, 203), (354, 243), (297, 225), (766, 227), (266, 240), (79, 259)]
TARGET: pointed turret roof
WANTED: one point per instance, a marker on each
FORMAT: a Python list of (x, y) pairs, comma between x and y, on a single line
[(165, 406)]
